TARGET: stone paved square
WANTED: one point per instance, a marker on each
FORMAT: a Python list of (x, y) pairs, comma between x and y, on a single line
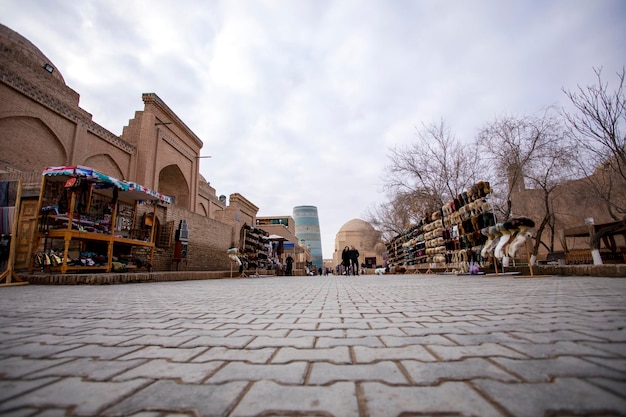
[(338, 346)]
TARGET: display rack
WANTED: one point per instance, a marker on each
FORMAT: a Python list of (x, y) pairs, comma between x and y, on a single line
[(9, 218), (254, 250), (447, 238), (87, 219)]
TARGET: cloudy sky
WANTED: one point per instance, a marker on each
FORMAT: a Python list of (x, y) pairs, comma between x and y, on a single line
[(298, 102)]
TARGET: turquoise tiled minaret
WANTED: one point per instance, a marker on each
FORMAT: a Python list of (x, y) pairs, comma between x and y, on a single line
[(308, 232)]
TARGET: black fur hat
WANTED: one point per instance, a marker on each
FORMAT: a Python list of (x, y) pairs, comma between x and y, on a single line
[(521, 222)]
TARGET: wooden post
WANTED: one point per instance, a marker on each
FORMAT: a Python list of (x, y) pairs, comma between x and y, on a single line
[(9, 275), (530, 266)]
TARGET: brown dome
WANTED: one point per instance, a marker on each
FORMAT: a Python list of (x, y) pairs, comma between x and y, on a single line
[(356, 225), (24, 51)]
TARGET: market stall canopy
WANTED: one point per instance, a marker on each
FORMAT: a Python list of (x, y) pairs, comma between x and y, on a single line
[(275, 237), (101, 181)]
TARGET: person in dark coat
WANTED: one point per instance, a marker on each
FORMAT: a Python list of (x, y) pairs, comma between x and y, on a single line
[(289, 261), (354, 259), (345, 260)]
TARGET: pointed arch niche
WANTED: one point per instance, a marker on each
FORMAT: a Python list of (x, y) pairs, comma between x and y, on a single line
[(29, 144), (172, 183), (104, 163)]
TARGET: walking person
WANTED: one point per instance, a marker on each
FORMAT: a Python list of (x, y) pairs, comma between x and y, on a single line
[(345, 260), (354, 259), (289, 261)]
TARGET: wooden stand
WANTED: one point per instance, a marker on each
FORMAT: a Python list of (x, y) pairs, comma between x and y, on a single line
[(9, 277), (74, 231)]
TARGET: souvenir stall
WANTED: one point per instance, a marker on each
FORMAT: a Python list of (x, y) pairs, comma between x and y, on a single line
[(447, 239), (89, 221)]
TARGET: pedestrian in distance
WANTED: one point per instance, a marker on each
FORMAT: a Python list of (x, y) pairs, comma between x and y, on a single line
[(289, 262), (345, 260), (354, 259)]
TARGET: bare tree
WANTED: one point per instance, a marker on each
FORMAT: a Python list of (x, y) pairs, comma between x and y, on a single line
[(509, 145), (433, 170), (395, 215), (545, 173), (598, 125)]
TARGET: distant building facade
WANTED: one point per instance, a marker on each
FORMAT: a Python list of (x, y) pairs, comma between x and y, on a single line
[(42, 124)]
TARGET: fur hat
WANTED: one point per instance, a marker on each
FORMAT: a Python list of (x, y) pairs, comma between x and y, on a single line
[(521, 223)]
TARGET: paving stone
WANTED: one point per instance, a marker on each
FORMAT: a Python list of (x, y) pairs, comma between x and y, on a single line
[(298, 342), (616, 386), (432, 373), (97, 351), (365, 354), (343, 326), (18, 367), (483, 350), (291, 373), (150, 332), (105, 340), (35, 350), (92, 369), (565, 396), (328, 342), (395, 341), (324, 373), (201, 326), (318, 333), (193, 373), (158, 352), (261, 332), (165, 341), (551, 350), (337, 400), (52, 339), (617, 364), (88, 398), (245, 355), (338, 355), (294, 326), (375, 332), (539, 370), (10, 388), (449, 398), (210, 341), (555, 336), (480, 338), (612, 335), (428, 331), (191, 399)]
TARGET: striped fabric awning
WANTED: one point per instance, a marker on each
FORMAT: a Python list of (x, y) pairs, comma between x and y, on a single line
[(100, 180)]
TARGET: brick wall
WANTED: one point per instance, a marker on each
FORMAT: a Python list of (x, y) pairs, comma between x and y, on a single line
[(209, 240)]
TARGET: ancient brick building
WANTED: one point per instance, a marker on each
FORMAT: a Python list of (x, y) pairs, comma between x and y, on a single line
[(42, 124)]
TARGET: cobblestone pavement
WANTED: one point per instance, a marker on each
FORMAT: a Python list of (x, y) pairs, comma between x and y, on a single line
[(410, 345)]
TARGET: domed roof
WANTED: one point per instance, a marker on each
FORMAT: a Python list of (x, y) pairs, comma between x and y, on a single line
[(356, 225), (22, 46)]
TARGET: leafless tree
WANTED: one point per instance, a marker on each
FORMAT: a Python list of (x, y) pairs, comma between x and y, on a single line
[(598, 125), (394, 215), (545, 173), (432, 170), (509, 145)]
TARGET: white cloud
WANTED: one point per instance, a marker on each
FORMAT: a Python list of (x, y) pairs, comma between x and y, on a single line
[(298, 101)]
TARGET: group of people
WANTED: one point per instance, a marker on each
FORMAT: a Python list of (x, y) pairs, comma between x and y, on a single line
[(350, 260)]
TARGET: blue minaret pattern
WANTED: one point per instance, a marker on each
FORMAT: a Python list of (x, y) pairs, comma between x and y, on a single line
[(308, 232)]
